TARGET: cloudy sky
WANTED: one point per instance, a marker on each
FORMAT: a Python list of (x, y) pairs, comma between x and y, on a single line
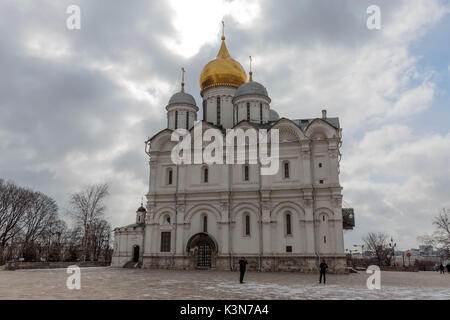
[(77, 105)]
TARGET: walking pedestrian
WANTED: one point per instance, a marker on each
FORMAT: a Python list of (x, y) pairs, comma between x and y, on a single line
[(448, 267), (242, 266), (323, 270), (441, 268)]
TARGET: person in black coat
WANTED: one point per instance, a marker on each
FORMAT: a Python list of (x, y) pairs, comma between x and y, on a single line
[(441, 268), (242, 266), (448, 267), (323, 269)]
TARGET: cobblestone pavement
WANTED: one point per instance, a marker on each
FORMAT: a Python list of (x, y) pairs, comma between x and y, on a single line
[(113, 283)]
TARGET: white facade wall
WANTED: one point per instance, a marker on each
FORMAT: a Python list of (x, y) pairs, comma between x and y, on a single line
[(311, 195)]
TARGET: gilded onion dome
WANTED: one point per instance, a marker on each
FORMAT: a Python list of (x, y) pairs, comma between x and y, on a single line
[(222, 71)]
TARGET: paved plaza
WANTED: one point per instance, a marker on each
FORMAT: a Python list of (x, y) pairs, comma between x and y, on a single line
[(116, 283)]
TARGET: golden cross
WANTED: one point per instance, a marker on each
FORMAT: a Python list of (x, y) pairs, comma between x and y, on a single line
[(223, 30)]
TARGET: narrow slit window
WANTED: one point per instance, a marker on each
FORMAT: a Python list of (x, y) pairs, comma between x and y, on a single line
[(247, 225), (170, 176), (286, 170), (248, 111), (176, 119), (246, 173), (205, 223), (261, 112), (288, 224), (205, 102), (218, 111), (187, 120), (205, 175)]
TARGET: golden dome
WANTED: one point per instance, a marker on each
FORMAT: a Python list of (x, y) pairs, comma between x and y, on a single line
[(222, 71)]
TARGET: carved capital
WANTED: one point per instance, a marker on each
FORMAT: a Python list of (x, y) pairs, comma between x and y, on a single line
[(266, 205), (333, 153), (181, 208)]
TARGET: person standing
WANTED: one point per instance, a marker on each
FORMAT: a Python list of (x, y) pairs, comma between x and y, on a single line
[(441, 268), (448, 267), (323, 269), (242, 267)]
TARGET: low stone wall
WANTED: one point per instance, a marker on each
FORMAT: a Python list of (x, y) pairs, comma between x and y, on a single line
[(14, 265), (305, 264), (400, 268)]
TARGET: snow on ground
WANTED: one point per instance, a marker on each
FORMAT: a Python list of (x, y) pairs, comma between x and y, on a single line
[(112, 283)]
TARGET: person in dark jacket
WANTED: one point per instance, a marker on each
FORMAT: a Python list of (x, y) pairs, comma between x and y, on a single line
[(323, 269), (441, 268), (242, 266), (448, 267)]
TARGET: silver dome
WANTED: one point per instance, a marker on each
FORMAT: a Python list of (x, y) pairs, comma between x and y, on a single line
[(251, 87), (182, 97), (273, 116)]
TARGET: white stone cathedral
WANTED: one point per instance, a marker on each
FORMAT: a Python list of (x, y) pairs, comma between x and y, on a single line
[(208, 216)]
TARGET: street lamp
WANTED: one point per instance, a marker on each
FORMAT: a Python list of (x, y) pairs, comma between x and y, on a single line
[(393, 249)]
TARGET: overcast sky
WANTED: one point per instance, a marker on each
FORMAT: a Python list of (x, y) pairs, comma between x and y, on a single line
[(77, 105)]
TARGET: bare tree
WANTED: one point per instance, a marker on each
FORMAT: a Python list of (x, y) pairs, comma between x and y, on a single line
[(379, 244), (88, 208), (441, 236), (14, 202)]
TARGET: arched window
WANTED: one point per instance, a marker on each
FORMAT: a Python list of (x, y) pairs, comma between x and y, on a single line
[(248, 111), (247, 225), (176, 119), (205, 223), (218, 111), (169, 176), (246, 172), (205, 177), (286, 169), (261, 113), (288, 224)]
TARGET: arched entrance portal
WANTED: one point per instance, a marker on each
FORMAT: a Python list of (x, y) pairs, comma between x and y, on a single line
[(202, 247), (135, 253)]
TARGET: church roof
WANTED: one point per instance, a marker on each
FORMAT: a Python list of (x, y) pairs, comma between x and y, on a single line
[(303, 123), (134, 225), (273, 115), (251, 87), (182, 98), (141, 209)]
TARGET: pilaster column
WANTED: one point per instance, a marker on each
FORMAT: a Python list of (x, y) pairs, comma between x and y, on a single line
[(334, 163), (266, 232), (309, 223), (179, 246), (224, 228)]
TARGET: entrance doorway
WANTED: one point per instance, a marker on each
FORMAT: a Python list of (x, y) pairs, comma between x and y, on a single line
[(204, 255), (135, 253), (203, 249)]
